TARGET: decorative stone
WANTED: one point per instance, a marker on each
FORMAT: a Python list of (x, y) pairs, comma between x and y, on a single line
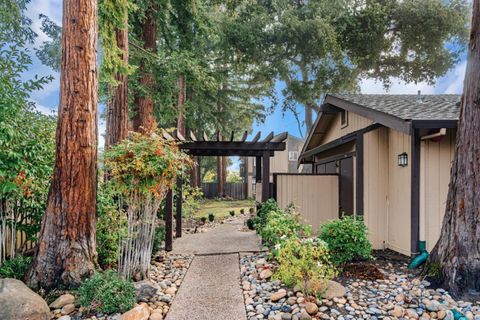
[(266, 273), (67, 309), (145, 290), (278, 295), (17, 301), (334, 289), (397, 312), (171, 291), (140, 312), (63, 300), (311, 308)]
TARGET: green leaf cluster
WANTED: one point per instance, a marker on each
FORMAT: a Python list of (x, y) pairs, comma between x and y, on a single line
[(107, 292), (347, 239), (15, 268), (306, 264)]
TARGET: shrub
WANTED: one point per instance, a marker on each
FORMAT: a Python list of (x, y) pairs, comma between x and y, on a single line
[(191, 200), (108, 229), (242, 211), (211, 217), (158, 238), (107, 292), (305, 263), (203, 219), (15, 267), (251, 224), (281, 225), (346, 239), (262, 213), (251, 210), (232, 213)]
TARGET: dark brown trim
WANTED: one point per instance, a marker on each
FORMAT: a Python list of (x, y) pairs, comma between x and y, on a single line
[(335, 158), (169, 221), (434, 124), (304, 174), (415, 193), (338, 142), (359, 174), (178, 208), (265, 176), (258, 169), (372, 114)]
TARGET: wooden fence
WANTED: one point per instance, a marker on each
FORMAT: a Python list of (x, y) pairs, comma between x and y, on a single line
[(237, 191)]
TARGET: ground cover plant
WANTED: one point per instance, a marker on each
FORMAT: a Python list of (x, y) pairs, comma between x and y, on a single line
[(15, 267)]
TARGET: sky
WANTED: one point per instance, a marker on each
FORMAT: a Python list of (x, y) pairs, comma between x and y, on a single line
[(47, 99)]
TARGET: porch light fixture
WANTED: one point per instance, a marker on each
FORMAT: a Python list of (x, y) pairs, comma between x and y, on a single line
[(403, 159)]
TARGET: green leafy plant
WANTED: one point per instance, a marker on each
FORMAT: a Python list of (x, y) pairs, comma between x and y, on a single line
[(305, 263), (15, 267), (107, 292), (282, 225), (251, 210), (211, 217), (203, 219), (347, 239), (265, 208), (242, 211), (158, 238), (232, 213), (251, 223), (191, 200)]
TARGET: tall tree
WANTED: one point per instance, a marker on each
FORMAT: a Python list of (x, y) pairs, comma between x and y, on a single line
[(144, 104), (315, 47), (66, 252), (114, 67), (457, 251)]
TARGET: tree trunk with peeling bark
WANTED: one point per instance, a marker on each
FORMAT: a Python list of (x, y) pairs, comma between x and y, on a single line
[(66, 251), (117, 105), (457, 252), (144, 118)]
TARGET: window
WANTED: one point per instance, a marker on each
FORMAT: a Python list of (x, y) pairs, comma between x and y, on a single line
[(292, 155), (344, 118)]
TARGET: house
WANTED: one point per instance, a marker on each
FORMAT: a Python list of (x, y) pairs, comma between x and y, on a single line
[(392, 155), (282, 162)]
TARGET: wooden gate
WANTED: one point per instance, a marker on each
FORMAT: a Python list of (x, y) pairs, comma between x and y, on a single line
[(316, 197)]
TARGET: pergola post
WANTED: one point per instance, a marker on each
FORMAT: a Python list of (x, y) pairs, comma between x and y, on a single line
[(169, 221), (178, 225), (258, 169), (265, 176)]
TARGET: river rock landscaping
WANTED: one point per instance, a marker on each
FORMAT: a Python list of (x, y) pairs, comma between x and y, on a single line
[(153, 296), (397, 294)]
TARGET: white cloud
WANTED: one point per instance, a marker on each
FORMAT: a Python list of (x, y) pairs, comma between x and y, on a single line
[(456, 79), (370, 86), (50, 8), (44, 109)]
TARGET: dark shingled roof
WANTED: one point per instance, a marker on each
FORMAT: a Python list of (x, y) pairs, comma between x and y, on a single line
[(409, 106)]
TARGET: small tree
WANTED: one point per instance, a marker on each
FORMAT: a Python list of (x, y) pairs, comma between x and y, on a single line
[(142, 168)]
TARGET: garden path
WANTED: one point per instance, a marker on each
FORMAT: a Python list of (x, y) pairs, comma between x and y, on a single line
[(211, 288)]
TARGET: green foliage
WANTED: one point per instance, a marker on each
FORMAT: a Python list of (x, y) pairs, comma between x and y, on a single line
[(203, 219), (158, 238), (109, 228), (192, 197), (265, 208), (304, 263), (50, 51), (144, 164), (280, 226), (107, 292), (15, 267), (242, 211), (251, 223), (232, 212), (347, 239), (211, 217)]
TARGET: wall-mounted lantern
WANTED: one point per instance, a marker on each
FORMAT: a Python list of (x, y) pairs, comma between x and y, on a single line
[(403, 159)]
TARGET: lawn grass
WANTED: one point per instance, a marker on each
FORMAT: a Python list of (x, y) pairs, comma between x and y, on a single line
[(221, 208)]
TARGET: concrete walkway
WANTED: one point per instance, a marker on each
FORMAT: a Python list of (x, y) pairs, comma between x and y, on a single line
[(211, 288)]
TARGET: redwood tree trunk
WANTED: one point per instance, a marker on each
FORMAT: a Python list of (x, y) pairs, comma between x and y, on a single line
[(117, 106), (182, 86), (220, 177), (144, 118), (457, 252), (66, 251)]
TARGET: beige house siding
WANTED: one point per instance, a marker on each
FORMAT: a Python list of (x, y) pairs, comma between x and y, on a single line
[(376, 185), (336, 130), (436, 159), (399, 188), (312, 195)]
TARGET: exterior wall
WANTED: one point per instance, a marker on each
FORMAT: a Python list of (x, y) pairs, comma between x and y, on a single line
[(399, 188), (315, 196), (436, 159), (375, 195), (335, 131)]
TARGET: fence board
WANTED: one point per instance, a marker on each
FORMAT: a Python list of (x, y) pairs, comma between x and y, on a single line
[(237, 191)]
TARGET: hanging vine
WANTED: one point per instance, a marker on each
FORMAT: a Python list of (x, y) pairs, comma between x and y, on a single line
[(113, 16)]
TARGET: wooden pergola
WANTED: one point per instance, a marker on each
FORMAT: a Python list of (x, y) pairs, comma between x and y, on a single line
[(262, 150)]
